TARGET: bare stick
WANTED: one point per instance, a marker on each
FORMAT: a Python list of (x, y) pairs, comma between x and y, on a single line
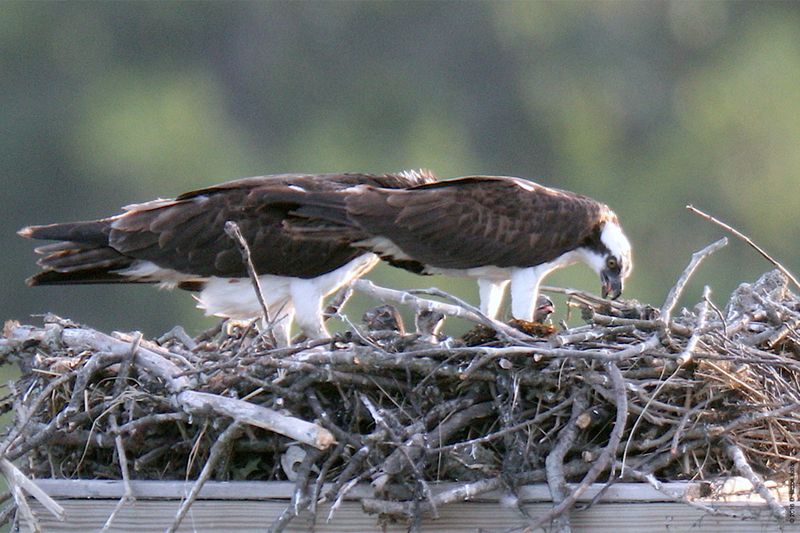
[(225, 438), (17, 480), (127, 496), (423, 304), (681, 497), (33, 408), (641, 416), (201, 403), (24, 508), (677, 289), (505, 431), (381, 480), (746, 239), (691, 346), (467, 491), (256, 415), (7, 512), (300, 496), (122, 456), (554, 464), (605, 458), (740, 462), (233, 231)]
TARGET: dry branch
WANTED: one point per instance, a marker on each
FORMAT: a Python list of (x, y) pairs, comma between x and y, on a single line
[(748, 240), (677, 289), (705, 392)]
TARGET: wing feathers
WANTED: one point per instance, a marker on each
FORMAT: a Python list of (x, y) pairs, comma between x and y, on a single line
[(187, 235), (477, 221)]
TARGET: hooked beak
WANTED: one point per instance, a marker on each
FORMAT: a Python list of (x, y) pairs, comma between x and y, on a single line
[(611, 284)]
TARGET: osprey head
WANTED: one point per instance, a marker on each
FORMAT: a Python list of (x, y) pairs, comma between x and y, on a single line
[(609, 255)]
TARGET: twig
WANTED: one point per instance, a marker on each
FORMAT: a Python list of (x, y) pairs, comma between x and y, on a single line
[(7, 512), (683, 497), (464, 492), (19, 481), (702, 318), (644, 410), (233, 231), (347, 480), (256, 415), (746, 239), (677, 289), (300, 497), (192, 401), (24, 508), (33, 408), (224, 439), (508, 333), (384, 474), (743, 467), (422, 304), (605, 457), (538, 419), (122, 456), (554, 464)]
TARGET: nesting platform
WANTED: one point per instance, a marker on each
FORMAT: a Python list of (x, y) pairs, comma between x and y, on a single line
[(656, 418)]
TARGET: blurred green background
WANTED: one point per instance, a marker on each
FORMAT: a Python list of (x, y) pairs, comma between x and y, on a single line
[(647, 106)]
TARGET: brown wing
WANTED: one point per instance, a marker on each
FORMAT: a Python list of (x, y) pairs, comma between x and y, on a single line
[(188, 234), (319, 182), (478, 221)]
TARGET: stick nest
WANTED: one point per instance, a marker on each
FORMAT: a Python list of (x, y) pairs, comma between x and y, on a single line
[(704, 394)]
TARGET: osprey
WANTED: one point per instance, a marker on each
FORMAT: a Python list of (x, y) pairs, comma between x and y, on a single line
[(182, 243), (498, 230)]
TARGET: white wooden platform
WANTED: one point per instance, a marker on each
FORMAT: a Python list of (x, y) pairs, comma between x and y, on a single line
[(252, 506)]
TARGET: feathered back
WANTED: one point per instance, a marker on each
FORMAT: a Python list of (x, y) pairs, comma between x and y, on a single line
[(186, 235)]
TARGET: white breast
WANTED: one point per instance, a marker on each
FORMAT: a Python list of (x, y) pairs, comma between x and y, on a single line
[(235, 297)]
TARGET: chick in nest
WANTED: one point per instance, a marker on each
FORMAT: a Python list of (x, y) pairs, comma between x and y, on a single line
[(385, 326), (481, 334)]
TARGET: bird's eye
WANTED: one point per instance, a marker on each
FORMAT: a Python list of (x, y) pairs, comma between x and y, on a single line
[(612, 263)]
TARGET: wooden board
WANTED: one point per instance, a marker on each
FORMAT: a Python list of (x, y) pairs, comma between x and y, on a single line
[(248, 506)]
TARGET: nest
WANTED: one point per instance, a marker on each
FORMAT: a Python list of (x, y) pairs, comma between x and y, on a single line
[(634, 394)]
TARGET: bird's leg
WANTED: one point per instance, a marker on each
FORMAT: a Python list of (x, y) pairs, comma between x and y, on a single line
[(526, 305), (307, 299), (491, 293), (281, 315), (525, 292)]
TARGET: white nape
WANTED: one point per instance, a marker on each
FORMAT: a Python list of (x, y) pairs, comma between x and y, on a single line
[(618, 244), (525, 281)]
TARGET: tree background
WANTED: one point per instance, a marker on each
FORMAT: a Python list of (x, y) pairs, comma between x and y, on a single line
[(646, 106)]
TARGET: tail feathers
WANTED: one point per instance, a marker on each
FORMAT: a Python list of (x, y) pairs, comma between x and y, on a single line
[(80, 277), (78, 259), (90, 232), (73, 262)]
